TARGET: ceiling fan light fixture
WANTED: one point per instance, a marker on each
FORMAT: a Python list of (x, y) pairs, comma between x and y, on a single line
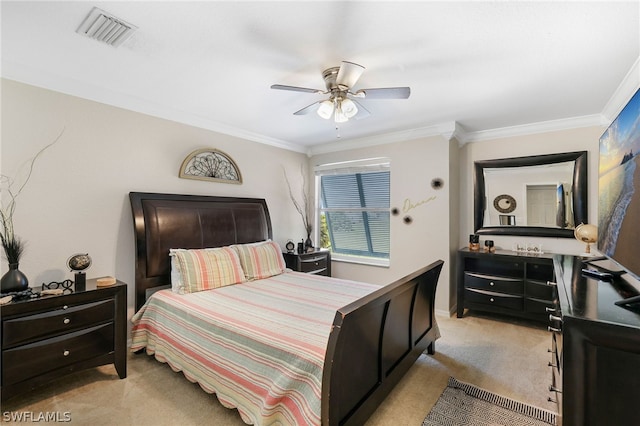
[(339, 116), (325, 109), (348, 107)]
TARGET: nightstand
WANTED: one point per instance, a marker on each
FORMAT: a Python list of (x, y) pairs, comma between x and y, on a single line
[(48, 337), (317, 262)]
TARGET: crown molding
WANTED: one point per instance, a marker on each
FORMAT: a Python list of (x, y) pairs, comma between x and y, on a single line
[(446, 130), (533, 128), (83, 90), (449, 130), (623, 93)]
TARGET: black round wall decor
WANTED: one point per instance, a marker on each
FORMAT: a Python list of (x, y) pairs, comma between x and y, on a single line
[(504, 203)]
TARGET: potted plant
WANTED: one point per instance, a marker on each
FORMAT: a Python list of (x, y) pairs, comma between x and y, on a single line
[(14, 280)]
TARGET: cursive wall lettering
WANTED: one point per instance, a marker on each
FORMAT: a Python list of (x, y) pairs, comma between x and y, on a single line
[(410, 205)]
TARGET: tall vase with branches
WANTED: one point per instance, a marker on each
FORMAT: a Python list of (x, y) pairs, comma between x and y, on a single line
[(13, 247), (302, 203)]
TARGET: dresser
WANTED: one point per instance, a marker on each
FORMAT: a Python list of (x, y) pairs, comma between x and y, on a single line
[(317, 262), (48, 337), (595, 349), (505, 282)]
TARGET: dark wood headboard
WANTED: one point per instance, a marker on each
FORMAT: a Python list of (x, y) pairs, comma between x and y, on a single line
[(165, 221)]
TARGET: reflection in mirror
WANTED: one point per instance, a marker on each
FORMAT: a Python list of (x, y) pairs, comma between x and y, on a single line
[(541, 195), (529, 196)]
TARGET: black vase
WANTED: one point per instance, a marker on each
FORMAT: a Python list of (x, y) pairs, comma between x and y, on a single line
[(308, 244), (14, 280)]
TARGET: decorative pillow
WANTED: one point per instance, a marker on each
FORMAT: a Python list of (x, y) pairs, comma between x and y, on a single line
[(260, 260), (205, 269)]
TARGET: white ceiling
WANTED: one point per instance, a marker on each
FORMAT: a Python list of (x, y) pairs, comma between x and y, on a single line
[(484, 65)]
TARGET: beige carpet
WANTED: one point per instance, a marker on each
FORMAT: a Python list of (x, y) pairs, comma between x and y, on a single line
[(508, 357)]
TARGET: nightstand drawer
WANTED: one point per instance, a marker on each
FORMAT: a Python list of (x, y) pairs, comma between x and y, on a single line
[(494, 283), (313, 264), (32, 360), (494, 299), (317, 262), (62, 320)]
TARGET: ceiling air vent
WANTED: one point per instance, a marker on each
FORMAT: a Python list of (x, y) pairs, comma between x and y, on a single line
[(106, 28)]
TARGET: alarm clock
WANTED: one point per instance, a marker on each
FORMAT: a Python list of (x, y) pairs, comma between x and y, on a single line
[(290, 246)]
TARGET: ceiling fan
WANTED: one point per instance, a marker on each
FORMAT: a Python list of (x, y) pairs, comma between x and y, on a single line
[(342, 103)]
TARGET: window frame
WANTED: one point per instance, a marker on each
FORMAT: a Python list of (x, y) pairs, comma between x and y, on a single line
[(350, 168)]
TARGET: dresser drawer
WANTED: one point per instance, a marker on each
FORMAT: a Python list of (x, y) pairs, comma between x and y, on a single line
[(494, 283), (28, 361), (501, 300), (539, 290), (537, 306), (313, 264), (31, 327), (494, 265)]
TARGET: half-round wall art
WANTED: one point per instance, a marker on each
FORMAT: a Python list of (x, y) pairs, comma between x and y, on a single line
[(212, 165)]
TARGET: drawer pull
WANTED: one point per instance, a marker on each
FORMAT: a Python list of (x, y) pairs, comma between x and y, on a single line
[(317, 263), (551, 283), (66, 321), (492, 284), (551, 400), (548, 309), (551, 351), (65, 307), (553, 329), (552, 365), (492, 300), (66, 353), (554, 318), (554, 389)]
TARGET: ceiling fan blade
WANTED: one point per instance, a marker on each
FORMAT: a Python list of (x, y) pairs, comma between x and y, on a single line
[(349, 74), (309, 108), (362, 111), (296, 89), (384, 93)]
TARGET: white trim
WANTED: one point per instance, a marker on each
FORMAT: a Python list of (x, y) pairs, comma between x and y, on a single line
[(623, 93), (533, 128), (444, 129), (355, 166), (361, 260), (34, 77), (81, 89)]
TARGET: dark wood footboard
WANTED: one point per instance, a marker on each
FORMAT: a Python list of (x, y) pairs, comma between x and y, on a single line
[(374, 341)]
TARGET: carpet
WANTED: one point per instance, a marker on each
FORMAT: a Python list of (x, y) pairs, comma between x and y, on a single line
[(465, 404)]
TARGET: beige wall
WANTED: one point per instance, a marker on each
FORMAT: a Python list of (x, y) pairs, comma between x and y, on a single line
[(414, 164), (582, 139), (77, 198)]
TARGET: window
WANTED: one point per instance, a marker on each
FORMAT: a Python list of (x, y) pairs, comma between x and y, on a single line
[(353, 210)]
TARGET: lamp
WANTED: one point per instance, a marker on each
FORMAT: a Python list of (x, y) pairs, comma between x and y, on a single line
[(341, 108), (587, 234)]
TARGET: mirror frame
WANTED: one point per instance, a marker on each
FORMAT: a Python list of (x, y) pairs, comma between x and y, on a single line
[(579, 194)]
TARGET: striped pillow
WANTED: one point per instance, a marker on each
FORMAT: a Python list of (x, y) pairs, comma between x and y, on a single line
[(206, 269), (260, 260)]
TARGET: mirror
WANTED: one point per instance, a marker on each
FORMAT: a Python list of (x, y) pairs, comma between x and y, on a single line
[(541, 195)]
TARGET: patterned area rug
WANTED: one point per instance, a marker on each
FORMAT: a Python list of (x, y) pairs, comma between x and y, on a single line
[(464, 404)]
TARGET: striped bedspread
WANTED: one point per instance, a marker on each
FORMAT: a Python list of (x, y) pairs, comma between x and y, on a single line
[(259, 346)]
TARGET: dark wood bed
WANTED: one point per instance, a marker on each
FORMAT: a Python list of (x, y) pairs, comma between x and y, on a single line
[(373, 341)]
